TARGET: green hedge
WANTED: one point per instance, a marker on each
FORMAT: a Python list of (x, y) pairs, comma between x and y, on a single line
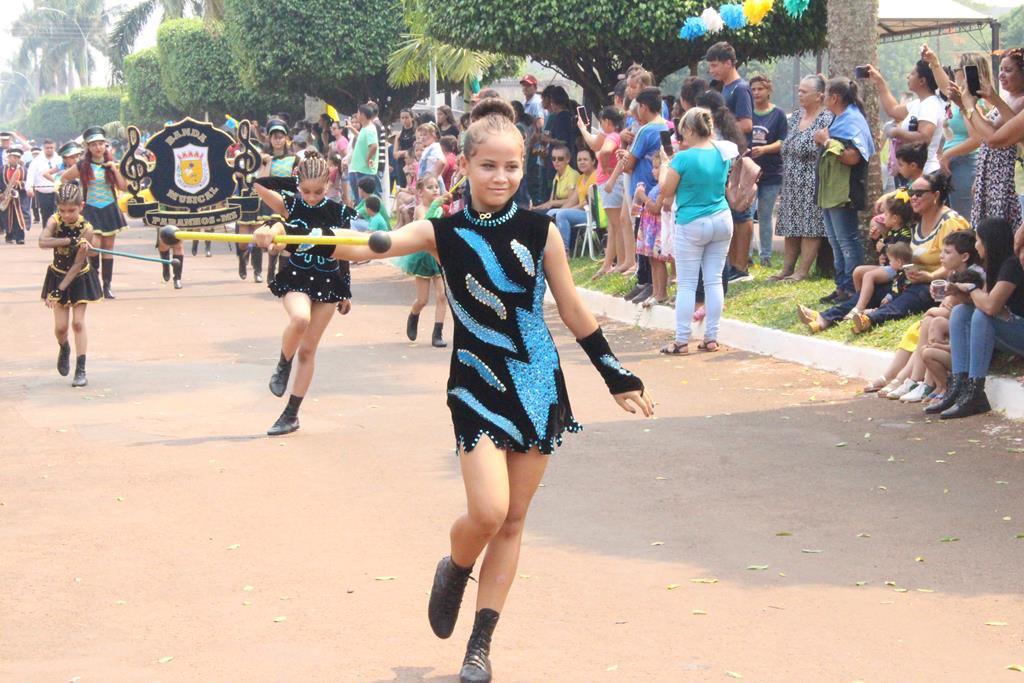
[(50, 117), (94, 107), (147, 105)]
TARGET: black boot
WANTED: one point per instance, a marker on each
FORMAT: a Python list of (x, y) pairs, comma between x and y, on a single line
[(165, 268), (64, 359), (108, 274), (272, 269), (476, 667), (289, 420), (446, 596), (412, 326), (195, 247), (257, 264), (243, 256), (208, 252), (279, 380), (79, 380), (954, 388), (177, 265), (437, 340), (972, 401)]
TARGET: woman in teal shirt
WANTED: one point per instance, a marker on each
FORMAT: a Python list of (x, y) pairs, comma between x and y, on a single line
[(696, 179), (959, 152)]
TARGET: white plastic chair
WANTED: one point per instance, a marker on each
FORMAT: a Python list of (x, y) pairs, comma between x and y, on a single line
[(587, 233)]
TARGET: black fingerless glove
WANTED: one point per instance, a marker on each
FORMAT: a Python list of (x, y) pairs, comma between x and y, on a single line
[(618, 379)]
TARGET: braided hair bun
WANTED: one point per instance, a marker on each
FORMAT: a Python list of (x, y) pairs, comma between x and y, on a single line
[(492, 106)]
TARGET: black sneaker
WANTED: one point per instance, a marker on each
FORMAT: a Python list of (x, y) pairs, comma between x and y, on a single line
[(831, 298), (641, 295), (446, 596), (737, 275), (843, 295), (64, 359), (631, 294), (286, 424), (279, 380)]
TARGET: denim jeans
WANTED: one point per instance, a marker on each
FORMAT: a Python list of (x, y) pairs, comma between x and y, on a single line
[(766, 196), (842, 230), (915, 298), (353, 183), (974, 335), (701, 245), (564, 220), (962, 172)]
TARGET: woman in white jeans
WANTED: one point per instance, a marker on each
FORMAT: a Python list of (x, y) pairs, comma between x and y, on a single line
[(696, 178)]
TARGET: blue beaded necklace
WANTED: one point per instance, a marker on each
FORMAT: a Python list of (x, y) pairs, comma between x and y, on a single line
[(488, 220)]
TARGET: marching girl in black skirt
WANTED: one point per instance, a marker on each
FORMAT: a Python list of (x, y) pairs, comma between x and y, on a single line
[(506, 391), (278, 162), (70, 281), (312, 283), (101, 179)]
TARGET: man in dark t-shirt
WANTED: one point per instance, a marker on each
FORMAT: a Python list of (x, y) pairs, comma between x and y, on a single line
[(721, 59), (770, 129)]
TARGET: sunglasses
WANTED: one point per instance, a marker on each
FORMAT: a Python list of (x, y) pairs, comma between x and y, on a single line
[(919, 193), (559, 158)]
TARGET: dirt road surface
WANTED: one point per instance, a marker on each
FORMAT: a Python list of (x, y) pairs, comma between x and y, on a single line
[(770, 524)]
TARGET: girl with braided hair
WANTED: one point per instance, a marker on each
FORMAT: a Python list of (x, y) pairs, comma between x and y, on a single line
[(311, 281), (70, 281), (101, 180)]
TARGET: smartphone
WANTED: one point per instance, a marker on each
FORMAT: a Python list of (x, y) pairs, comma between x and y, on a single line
[(666, 142), (582, 113), (973, 81), (860, 72), (912, 124)]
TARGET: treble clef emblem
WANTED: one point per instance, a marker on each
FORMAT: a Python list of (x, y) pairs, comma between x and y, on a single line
[(249, 159), (132, 168)]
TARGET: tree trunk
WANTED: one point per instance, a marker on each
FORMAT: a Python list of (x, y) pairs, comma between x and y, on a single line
[(853, 41)]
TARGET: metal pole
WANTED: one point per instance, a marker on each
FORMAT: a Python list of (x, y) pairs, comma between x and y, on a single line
[(433, 87), (995, 45)]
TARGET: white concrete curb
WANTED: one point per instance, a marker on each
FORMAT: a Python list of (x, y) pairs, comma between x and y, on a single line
[(1006, 395)]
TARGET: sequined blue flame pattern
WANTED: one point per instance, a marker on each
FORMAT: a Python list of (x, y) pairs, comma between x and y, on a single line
[(535, 379), (473, 361), (485, 296), (499, 421), (491, 265), (523, 254), (613, 363), (479, 330)]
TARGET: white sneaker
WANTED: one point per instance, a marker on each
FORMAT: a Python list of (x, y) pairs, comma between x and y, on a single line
[(907, 385), (917, 394)]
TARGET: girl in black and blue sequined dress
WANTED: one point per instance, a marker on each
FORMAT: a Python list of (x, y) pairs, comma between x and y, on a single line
[(506, 391), (312, 282)]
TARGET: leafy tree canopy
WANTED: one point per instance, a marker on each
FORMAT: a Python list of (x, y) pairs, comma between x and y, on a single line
[(336, 50), (592, 41), (148, 106)]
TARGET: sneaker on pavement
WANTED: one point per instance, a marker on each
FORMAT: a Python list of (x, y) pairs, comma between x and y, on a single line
[(917, 394), (907, 386)]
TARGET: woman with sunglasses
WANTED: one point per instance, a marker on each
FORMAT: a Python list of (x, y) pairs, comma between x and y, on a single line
[(929, 197)]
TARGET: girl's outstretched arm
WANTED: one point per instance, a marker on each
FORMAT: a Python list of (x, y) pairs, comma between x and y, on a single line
[(272, 199), (625, 387)]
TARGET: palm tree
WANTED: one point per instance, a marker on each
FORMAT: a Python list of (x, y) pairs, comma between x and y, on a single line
[(55, 39), (131, 21), (410, 62)]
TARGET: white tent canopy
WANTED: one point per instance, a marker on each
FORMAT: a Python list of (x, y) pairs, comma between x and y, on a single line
[(900, 19)]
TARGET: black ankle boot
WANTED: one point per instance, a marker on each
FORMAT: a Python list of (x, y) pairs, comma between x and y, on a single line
[(289, 420), (208, 252), (279, 380), (257, 264), (437, 340), (64, 359), (107, 268), (955, 387), (178, 265), (972, 401), (195, 247), (476, 667), (272, 269), (79, 380), (412, 326), (446, 596), (165, 271)]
